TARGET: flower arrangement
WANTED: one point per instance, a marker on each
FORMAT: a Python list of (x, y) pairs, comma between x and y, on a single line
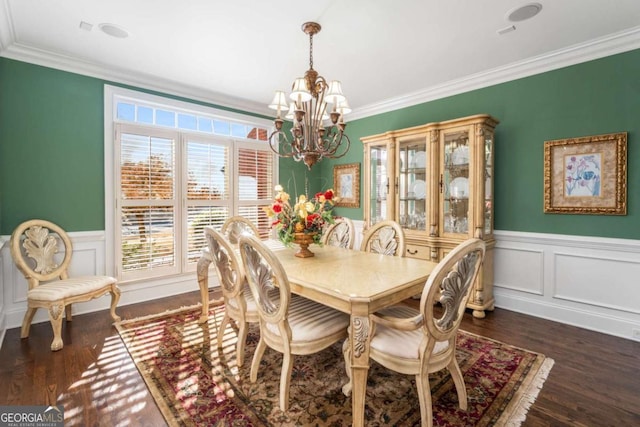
[(308, 216)]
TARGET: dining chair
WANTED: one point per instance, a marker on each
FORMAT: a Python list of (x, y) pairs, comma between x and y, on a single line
[(291, 325), (235, 226), (34, 248), (386, 238), (239, 304), (420, 342), (341, 234)]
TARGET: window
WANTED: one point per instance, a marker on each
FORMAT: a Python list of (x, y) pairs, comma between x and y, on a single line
[(175, 169)]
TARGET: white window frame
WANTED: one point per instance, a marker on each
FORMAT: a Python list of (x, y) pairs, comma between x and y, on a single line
[(113, 94)]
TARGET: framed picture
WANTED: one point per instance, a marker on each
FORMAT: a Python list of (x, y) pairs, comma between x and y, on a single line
[(586, 175), (346, 184)]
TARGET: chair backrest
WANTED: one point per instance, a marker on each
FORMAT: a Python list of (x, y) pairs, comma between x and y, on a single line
[(341, 234), (35, 248), (386, 238), (450, 283), (228, 267), (265, 273), (235, 226)]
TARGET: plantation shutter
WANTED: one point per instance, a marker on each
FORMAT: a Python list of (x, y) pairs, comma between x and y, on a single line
[(147, 203), (209, 200), (255, 184)]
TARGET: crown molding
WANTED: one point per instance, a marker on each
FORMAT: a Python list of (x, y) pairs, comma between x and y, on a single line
[(598, 48), (36, 56)]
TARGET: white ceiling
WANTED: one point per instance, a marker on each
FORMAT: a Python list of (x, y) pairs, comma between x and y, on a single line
[(387, 53)]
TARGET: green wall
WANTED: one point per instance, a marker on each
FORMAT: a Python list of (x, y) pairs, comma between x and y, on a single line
[(52, 148), (597, 97)]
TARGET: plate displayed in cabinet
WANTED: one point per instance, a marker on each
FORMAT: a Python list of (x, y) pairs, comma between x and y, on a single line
[(460, 155), (459, 188), (420, 159), (418, 188)]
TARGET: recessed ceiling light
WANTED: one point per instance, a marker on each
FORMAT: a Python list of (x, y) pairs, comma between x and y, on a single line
[(526, 11), (114, 31)]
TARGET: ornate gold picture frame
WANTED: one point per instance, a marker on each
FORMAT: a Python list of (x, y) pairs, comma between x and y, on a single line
[(586, 175), (346, 184)]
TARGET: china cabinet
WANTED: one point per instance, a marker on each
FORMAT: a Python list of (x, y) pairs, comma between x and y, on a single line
[(436, 180)]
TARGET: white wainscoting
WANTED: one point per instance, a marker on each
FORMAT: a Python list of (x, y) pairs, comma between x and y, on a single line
[(588, 282), (88, 259)]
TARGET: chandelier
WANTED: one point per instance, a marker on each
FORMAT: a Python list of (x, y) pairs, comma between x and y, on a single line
[(310, 140)]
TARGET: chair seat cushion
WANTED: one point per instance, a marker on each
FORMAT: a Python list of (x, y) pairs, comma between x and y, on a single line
[(311, 321), (405, 344), (68, 288)]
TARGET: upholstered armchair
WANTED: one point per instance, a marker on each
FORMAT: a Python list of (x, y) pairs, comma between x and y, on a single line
[(291, 325), (42, 252), (419, 342), (239, 304)]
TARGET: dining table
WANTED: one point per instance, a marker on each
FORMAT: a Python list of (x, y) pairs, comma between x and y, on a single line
[(355, 282)]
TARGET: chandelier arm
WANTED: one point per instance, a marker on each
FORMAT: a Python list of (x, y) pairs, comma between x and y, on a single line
[(281, 141), (332, 155), (334, 141)]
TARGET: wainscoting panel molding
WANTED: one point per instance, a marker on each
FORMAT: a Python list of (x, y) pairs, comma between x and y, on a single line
[(590, 282), (572, 272), (587, 282), (519, 269)]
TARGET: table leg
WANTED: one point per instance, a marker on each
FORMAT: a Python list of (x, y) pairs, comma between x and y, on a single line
[(359, 340)]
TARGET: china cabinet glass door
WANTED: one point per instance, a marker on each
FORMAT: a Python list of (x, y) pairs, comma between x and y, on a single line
[(455, 182), (379, 184), (412, 185), (488, 183)]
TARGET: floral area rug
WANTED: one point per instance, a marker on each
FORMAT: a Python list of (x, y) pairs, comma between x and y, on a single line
[(196, 384)]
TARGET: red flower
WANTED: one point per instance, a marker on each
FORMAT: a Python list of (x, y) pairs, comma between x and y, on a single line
[(328, 194), (319, 194), (277, 207), (274, 223), (310, 218)]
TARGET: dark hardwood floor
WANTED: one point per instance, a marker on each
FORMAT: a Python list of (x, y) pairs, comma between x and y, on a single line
[(595, 380)]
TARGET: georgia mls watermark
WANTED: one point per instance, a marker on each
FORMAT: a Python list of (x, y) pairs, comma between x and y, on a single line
[(32, 416)]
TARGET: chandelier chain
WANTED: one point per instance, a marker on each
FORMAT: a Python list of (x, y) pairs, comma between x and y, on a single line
[(311, 51)]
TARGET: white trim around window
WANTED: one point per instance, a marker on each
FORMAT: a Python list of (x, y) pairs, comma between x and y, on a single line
[(181, 204)]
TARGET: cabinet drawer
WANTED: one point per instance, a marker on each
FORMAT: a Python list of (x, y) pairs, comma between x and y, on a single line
[(417, 251)]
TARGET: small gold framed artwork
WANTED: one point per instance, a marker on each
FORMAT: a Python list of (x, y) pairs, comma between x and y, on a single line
[(586, 175), (346, 184)]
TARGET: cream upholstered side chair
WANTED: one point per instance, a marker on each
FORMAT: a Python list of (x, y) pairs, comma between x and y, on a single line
[(341, 234), (235, 226), (239, 304), (418, 343), (232, 228), (34, 249), (291, 325), (386, 238)]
